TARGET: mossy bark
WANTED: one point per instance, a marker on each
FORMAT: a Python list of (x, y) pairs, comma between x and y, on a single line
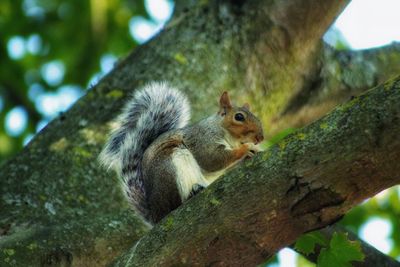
[(336, 77), (307, 181), (59, 207)]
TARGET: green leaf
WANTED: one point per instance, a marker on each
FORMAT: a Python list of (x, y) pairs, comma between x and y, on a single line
[(306, 243), (341, 252)]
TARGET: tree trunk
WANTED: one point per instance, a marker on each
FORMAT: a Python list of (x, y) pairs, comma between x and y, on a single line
[(58, 206)]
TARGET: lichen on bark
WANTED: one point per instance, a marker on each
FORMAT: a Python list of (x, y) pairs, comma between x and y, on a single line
[(54, 193)]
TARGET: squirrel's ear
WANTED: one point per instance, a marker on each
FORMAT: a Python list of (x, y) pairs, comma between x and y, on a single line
[(224, 103), (246, 106)]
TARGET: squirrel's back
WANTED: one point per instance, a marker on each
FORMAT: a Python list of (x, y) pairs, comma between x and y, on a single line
[(152, 111)]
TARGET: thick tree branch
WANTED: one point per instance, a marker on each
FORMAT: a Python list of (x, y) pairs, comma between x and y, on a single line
[(336, 77), (278, 59), (70, 242), (306, 20), (307, 181)]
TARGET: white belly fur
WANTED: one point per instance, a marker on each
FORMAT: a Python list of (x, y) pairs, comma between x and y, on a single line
[(188, 172)]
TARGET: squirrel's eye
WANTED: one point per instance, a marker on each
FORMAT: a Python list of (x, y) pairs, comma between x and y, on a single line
[(239, 117)]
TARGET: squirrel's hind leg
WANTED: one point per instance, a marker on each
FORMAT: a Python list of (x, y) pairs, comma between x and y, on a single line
[(195, 190), (162, 194), (189, 177), (172, 177)]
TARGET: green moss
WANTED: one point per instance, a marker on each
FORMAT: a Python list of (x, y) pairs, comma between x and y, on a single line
[(323, 125), (390, 84), (346, 106), (203, 2), (180, 58), (93, 135), (266, 155), (9, 251), (301, 136), (168, 223), (116, 93), (32, 246), (60, 145), (282, 144), (85, 239), (215, 201), (82, 152)]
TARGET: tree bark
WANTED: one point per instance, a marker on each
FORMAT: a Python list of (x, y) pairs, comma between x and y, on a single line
[(54, 190), (307, 181), (336, 77)]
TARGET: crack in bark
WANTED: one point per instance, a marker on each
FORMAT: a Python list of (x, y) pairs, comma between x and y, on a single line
[(296, 185), (315, 201)]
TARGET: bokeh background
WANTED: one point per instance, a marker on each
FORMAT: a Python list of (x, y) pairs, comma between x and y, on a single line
[(52, 51)]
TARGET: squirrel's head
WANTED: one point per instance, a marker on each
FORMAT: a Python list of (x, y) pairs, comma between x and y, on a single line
[(240, 122)]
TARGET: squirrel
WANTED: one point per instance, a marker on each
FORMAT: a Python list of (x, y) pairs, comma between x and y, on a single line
[(162, 160)]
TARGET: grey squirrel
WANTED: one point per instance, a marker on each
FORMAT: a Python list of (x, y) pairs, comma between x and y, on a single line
[(162, 161)]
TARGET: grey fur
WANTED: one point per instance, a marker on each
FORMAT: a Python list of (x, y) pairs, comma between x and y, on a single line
[(153, 110)]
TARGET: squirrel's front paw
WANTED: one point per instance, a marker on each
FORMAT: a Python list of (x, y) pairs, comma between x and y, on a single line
[(252, 149), (255, 148)]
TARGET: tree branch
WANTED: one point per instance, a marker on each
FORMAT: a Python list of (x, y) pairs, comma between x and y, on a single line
[(307, 181), (307, 20), (337, 76)]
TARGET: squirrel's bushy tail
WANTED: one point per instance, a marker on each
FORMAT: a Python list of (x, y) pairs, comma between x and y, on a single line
[(153, 110)]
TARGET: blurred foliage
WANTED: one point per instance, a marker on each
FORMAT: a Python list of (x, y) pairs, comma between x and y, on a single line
[(383, 206), (76, 33)]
